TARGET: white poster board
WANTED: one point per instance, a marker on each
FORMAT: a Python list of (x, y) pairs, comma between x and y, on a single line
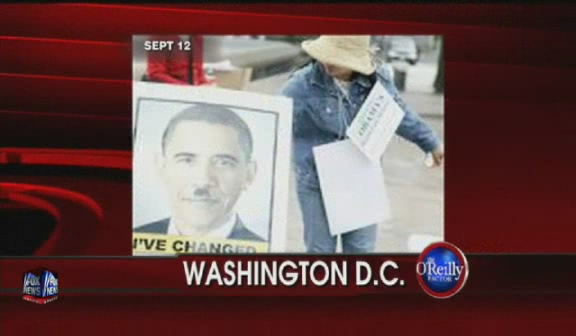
[(353, 188), (262, 203), (376, 123)]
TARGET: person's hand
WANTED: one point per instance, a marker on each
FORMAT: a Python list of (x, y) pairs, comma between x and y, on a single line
[(438, 156), (434, 158)]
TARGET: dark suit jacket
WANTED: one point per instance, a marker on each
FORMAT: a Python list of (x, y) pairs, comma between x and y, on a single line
[(238, 232)]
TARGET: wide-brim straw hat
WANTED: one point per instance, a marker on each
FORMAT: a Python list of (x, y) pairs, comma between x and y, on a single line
[(348, 51)]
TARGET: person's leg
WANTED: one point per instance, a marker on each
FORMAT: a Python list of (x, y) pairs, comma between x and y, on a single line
[(316, 233), (360, 241)]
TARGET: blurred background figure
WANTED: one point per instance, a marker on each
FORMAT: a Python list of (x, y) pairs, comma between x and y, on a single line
[(178, 65)]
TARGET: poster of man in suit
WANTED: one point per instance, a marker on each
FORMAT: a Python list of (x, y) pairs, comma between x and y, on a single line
[(211, 170)]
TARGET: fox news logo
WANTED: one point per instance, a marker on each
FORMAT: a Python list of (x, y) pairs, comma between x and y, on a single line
[(442, 270), (40, 286)]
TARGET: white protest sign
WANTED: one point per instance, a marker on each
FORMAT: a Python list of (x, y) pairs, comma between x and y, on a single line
[(375, 123), (261, 205), (353, 188)]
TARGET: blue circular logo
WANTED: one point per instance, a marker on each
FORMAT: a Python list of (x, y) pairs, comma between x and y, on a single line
[(442, 270)]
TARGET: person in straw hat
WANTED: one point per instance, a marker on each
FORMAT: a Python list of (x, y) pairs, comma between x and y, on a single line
[(327, 94)]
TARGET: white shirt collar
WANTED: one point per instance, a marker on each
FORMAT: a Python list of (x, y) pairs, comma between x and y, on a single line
[(222, 232), (344, 86)]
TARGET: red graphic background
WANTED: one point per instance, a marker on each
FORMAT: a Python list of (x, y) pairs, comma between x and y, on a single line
[(65, 74)]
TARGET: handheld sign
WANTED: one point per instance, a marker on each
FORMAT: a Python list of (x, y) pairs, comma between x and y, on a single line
[(375, 123), (353, 188)]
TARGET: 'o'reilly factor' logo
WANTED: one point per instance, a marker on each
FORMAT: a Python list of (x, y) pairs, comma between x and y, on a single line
[(442, 270), (40, 286)]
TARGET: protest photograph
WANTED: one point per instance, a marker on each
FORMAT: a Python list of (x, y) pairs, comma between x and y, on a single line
[(361, 158), (211, 169)]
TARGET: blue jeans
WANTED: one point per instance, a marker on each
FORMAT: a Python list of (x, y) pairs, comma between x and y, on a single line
[(317, 235)]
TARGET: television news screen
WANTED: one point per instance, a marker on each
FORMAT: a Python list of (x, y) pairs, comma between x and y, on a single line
[(287, 168)]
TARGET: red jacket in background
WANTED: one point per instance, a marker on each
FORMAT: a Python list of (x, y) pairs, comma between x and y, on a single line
[(173, 66)]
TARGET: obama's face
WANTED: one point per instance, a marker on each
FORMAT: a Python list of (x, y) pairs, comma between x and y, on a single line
[(205, 169)]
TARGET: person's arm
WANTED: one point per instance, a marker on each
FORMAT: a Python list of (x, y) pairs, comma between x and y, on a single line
[(414, 129), (293, 89)]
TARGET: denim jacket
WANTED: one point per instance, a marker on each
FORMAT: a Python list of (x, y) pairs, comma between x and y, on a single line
[(322, 113)]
